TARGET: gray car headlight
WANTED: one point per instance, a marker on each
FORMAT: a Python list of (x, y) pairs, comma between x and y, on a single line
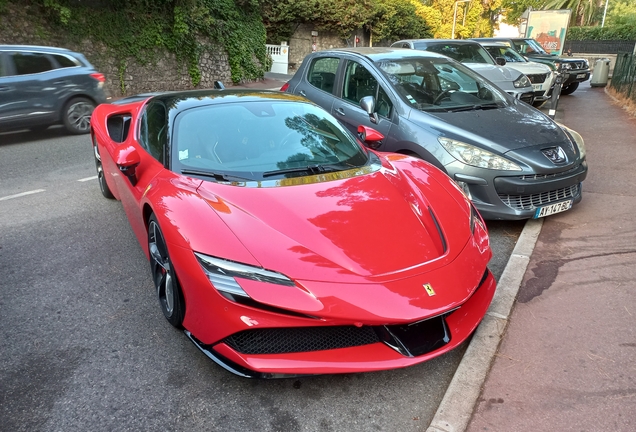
[(477, 157), (576, 137), (223, 273), (522, 81)]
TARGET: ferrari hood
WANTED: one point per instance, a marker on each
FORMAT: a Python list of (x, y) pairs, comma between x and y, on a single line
[(371, 225)]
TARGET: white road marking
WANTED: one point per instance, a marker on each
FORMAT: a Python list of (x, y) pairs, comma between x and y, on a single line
[(8, 197), (88, 179)]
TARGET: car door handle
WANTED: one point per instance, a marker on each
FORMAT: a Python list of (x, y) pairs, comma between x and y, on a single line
[(302, 93), (340, 111)]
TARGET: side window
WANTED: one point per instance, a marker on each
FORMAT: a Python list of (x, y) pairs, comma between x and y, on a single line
[(31, 63), (322, 73), (64, 61), (360, 83), (3, 72), (153, 132)]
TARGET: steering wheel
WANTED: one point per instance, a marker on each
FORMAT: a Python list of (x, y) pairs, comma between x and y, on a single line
[(287, 139), (442, 95)]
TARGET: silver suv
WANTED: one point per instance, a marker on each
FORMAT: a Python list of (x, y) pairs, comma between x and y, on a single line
[(478, 59), (43, 86)]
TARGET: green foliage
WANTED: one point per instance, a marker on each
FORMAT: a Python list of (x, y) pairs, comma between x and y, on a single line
[(386, 19), (621, 13), (473, 19), (515, 8), (584, 12), (139, 28), (620, 32), (397, 19)]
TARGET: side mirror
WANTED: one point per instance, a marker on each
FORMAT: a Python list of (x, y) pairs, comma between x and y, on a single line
[(367, 103), (127, 160), (500, 61), (370, 136)]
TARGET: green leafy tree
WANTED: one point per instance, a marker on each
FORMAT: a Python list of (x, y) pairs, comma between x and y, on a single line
[(621, 13), (515, 8), (475, 18), (584, 12)]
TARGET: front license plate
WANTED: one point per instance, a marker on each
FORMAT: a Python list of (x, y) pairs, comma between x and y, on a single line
[(552, 209), (580, 76)]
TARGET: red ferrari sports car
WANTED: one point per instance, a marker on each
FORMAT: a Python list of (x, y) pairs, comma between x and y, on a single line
[(283, 245)]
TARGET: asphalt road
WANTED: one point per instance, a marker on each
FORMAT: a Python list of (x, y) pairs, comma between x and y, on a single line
[(84, 345)]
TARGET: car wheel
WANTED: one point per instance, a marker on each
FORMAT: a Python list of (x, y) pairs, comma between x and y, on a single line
[(163, 275), (569, 89), (77, 115), (103, 186)]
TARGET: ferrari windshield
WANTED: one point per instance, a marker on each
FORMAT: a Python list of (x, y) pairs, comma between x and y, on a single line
[(438, 84), (261, 139)]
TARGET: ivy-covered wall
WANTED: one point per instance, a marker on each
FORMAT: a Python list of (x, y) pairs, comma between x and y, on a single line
[(165, 48)]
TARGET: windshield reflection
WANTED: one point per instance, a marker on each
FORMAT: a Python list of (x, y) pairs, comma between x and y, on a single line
[(429, 84), (276, 138)]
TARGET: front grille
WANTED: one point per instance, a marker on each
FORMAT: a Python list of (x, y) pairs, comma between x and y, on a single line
[(538, 78), (547, 176), (300, 339), (577, 65), (527, 97), (531, 202)]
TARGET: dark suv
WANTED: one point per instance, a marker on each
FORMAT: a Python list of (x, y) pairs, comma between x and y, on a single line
[(578, 69), (42, 86)]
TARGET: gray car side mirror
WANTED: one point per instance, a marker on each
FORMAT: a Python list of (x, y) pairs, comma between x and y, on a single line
[(367, 103)]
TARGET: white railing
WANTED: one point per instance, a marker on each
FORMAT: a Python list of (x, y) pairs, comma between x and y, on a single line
[(280, 58)]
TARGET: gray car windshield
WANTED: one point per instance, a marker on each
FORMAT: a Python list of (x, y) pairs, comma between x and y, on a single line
[(437, 84), (262, 139), (507, 53)]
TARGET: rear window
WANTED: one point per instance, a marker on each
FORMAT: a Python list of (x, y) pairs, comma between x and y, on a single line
[(322, 73), (65, 61), (463, 53), (31, 63)]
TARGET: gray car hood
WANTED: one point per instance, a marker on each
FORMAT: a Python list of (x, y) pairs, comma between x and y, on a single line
[(514, 127)]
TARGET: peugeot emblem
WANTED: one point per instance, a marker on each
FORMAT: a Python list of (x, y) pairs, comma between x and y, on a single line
[(555, 154)]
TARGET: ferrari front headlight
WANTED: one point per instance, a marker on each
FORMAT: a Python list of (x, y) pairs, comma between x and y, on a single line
[(222, 274), (477, 157), (576, 137)]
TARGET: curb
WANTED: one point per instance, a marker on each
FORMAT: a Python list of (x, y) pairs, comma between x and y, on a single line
[(456, 409)]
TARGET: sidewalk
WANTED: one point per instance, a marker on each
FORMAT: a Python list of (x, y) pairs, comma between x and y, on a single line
[(567, 361)]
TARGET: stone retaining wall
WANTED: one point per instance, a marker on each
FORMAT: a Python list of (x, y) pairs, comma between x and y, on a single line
[(26, 26)]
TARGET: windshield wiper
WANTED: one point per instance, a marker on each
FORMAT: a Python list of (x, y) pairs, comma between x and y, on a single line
[(310, 169), (214, 175), (474, 107)]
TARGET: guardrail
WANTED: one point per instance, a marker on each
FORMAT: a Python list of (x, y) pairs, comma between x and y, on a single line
[(624, 76)]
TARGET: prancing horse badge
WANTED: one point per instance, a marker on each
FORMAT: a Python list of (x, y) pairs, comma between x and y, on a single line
[(429, 290)]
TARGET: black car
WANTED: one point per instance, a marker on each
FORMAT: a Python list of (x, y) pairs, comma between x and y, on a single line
[(578, 69), (43, 86)]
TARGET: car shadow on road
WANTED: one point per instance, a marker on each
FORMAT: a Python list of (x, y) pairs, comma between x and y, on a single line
[(24, 136)]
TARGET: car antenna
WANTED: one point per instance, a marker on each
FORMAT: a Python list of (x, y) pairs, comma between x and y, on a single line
[(218, 85)]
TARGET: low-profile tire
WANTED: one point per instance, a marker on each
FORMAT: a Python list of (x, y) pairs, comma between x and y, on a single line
[(164, 277), (77, 115), (103, 186), (569, 89)]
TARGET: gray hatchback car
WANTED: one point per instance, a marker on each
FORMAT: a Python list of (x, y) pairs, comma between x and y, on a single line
[(513, 161), (42, 86)]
